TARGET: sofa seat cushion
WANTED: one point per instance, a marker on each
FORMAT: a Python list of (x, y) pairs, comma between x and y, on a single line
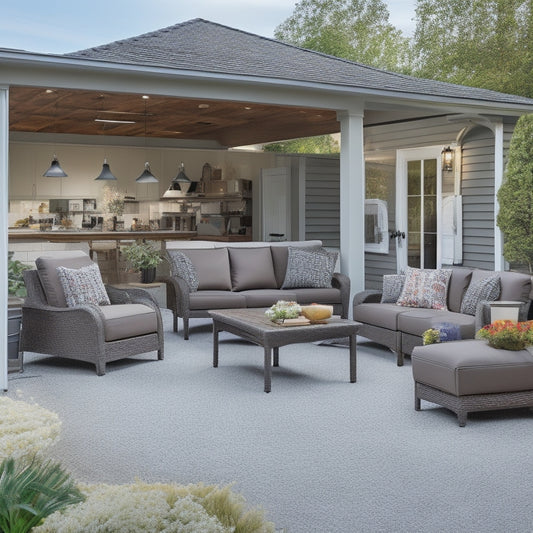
[(202, 300), (380, 315), (416, 321), (266, 297), (472, 367), (128, 320), (316, 296)]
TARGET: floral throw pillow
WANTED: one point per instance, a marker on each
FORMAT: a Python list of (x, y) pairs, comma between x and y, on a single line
[(486, 289), (425, 288), (181, 266), (83, 285), (392, 288)]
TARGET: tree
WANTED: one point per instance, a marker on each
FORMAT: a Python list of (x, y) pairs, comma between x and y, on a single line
[(482, 43), (323, 144), (358, 30), (515, 217)]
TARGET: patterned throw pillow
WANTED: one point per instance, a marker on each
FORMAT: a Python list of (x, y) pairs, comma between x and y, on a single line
[(83, 285), (309, 268), (425, 288), (486, 289), (181, 266), (392, 288)]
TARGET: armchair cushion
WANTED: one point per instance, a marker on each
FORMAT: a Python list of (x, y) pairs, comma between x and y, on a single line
[(309, 268), (47, 271), (83, 285), (251, 268), (128, 320)]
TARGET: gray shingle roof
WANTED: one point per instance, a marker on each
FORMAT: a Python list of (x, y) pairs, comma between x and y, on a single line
[(200, 45)]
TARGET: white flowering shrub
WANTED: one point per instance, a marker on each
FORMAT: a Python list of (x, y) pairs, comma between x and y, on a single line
[(168, 508), (26, 429)]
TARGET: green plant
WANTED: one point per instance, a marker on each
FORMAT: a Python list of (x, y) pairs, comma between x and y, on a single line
[(142, 255), (32, 490), (15, 268)]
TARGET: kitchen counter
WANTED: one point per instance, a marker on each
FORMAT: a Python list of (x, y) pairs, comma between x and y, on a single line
[(88, 236)]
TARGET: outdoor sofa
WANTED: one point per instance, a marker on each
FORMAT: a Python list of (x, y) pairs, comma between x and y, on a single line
[(408, 305), (209, 275)]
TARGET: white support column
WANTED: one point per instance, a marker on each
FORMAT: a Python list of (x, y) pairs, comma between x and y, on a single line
[(4, 168), (352, 201), (499, 261)]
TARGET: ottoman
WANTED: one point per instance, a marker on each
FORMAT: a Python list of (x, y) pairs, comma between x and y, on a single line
[(468, 375)]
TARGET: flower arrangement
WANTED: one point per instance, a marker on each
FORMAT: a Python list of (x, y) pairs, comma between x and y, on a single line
[(441, 333), (26, 429), (113, 201), (282, 310), (158, 507), (508, 334)]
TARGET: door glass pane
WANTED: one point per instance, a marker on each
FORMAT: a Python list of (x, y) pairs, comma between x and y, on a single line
[(430, 214), (413, 249), (430, 176), (413, 177), (414, 213), (430, 250)]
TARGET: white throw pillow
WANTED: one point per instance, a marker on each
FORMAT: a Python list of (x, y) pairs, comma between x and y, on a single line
[(83, 285)]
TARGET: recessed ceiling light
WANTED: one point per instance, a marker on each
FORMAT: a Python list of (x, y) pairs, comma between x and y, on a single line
[(203, 106), (49, 91), (247, 108), (145, 97)]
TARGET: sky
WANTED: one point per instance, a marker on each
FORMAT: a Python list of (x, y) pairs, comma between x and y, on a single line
[(59, 26)]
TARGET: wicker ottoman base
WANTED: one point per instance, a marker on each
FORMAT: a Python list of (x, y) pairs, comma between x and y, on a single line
[(462, 405)]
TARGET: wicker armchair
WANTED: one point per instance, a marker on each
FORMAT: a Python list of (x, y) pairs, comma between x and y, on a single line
[(96, 334)]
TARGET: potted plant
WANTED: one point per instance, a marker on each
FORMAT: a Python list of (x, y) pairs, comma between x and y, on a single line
[(142, 256)]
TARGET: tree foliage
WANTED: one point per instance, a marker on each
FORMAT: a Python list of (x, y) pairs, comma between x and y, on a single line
[(515, 217), (482, 43), (358, 30), (322, 144)]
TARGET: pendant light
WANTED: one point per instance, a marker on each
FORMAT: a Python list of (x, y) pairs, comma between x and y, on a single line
[(179, 184), (55, 170), (146, 176), (106, 174)]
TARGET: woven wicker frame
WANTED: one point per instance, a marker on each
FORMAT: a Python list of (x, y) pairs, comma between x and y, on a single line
[(78, 332), (462, 405)]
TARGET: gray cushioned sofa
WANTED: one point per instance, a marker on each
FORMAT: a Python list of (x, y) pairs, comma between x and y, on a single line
[(401, 328), (241, 275)]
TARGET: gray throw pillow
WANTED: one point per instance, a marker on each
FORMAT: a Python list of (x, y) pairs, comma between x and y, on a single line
[(392, 288), (485, 289), (309, 268), (83, 285), (181, 266)]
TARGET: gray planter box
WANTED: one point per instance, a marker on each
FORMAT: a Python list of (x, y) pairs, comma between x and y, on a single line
[(14, 319)]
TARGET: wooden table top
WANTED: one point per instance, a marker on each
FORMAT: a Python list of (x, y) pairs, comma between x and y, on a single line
[(78, 236)]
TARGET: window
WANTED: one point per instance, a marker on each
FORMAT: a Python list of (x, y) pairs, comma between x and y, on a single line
[(376, 226)]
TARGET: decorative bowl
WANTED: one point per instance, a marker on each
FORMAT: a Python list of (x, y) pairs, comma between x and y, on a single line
[(316, 312)]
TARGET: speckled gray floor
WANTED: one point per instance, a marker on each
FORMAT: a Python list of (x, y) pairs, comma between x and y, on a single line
[(318, 453)]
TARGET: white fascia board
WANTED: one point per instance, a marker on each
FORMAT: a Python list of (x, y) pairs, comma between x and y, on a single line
[(46, 69)]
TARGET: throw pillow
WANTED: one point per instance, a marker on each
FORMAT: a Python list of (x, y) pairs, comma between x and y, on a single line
[(392, 288), (181, 266), (485, 289), (425, 288), (309, 268), (83, 285)]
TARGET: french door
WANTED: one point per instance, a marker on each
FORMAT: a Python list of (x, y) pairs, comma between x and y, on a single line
[(418, 208)]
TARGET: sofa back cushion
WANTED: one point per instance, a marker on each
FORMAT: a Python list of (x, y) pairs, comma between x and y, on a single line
[(459, 281), (47, 270), (251, 268), (515, 286), (211, 266)]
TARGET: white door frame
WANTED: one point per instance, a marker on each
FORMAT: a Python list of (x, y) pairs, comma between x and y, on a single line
[(402, 157)]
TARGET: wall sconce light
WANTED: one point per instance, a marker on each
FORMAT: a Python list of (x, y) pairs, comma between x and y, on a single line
[(447, 159)]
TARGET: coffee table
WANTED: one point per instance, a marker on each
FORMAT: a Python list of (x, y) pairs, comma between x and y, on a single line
[(253, 325)]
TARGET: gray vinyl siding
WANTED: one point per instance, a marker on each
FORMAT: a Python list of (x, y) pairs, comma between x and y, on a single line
[(477, 188), (322, 200)]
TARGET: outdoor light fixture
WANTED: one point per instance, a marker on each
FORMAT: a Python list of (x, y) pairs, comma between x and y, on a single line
[(179, 184), (55, 170), (447, 159), (106, 173), (146, 176)]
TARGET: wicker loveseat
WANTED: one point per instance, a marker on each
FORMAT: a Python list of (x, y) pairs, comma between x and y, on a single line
[(127, 323), (400, 328), (250, 274)]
